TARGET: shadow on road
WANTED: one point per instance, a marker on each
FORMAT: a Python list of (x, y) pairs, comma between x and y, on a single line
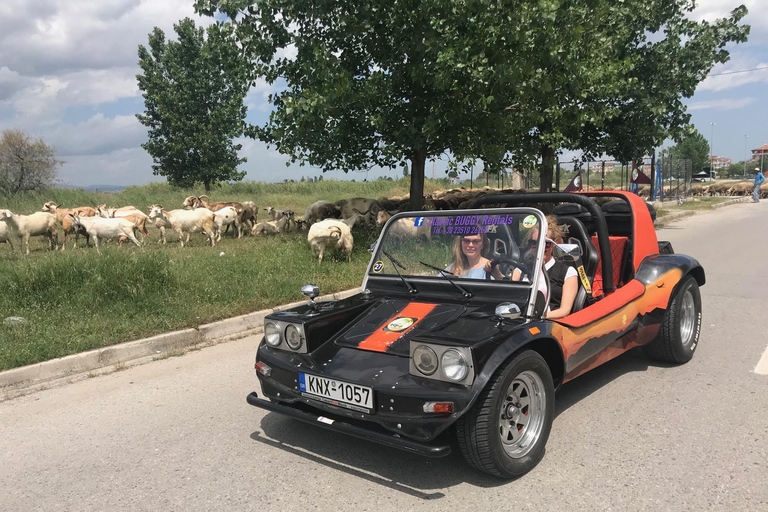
[(576, 390), (417, 476)]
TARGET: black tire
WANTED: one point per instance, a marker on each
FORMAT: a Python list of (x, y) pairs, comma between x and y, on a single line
[(480, 431), (678, 334)]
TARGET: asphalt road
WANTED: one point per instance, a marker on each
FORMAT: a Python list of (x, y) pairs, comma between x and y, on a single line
[(177, 434)]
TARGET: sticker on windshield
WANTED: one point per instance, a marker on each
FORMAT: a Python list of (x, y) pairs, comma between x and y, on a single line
[(529, 221), (378, 266), (418, 221), (400, 324)]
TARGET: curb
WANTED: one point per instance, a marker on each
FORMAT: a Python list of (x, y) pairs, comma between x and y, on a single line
[(674, 216), (64, 370)]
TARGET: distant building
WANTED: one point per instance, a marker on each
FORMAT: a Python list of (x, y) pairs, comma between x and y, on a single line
[(761, 151), (719, 162)]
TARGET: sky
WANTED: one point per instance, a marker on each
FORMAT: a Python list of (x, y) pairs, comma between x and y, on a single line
[(68, 75)]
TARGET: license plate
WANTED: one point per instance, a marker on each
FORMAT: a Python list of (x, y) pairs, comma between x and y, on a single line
[(334, 392)]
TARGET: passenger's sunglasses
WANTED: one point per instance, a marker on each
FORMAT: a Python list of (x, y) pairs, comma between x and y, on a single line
[(471, 242)]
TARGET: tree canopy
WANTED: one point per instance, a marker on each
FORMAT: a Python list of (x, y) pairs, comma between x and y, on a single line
[(380, 82), (25, 163), (193, 93)]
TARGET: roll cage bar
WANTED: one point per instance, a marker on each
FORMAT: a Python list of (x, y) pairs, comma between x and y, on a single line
[(563, 197)]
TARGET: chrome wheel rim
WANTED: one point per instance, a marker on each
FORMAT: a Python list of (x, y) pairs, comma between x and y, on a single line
[(521, 418), (687, 318)]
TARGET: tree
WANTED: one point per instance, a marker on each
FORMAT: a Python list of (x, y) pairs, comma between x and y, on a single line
[(193, 93), (693, 146), (379, 82), (26, 164)]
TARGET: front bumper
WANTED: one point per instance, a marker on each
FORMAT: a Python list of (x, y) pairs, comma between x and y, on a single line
[(387, 439)]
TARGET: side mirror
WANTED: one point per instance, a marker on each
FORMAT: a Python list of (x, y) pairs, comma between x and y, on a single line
[(310, 291), (567, 252), (508, 310)]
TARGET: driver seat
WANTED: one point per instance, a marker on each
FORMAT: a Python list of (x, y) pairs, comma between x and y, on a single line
[(578, 234)]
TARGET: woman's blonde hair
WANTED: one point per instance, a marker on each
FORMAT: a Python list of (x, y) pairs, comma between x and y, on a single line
[(555, 231), (460, 261)]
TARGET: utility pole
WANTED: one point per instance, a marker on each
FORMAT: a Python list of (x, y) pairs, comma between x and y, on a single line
[(711, 143)]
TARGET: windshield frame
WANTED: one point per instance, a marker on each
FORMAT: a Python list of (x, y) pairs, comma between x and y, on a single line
[(518, 212)]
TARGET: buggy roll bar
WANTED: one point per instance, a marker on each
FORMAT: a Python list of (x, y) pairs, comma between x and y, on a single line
[(563, 197)]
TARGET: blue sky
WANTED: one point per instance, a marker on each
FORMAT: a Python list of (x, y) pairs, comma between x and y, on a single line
[(67, 74)]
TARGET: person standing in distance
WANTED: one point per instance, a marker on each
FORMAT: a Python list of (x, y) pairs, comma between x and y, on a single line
[(759, 179)]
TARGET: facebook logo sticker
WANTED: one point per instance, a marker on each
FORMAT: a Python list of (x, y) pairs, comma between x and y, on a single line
[(418, 221)]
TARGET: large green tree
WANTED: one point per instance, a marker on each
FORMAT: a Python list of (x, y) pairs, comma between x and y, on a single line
[(193, 91), (692, 146), (26, 163), (379, 82)]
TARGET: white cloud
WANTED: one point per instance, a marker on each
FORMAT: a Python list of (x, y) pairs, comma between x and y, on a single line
[(722, 104), (722, 77)]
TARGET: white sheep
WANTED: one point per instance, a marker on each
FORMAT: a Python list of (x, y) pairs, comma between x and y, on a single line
[(5, 236), (271, 227), (329, 234), (187, 221), (224, 217), (405, 227), (26, 226), (100, 228)]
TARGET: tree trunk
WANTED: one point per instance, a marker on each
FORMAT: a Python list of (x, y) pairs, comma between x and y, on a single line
[(207, 184), (547, 165), (418, 162)]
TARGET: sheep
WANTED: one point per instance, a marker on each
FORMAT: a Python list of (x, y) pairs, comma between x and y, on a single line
[(138, 217), (250, 214), (224, 217), (321, 210), (199, 202), (62, 215), (405, 227), (330, 233), (271, 227), (26, 226), (5, 235), (99, 227), (368, 208), (356, 220), (187, 221), (117, 209)]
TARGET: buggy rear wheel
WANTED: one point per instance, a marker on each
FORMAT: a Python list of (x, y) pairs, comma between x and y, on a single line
[(505, 432), (678, 335)]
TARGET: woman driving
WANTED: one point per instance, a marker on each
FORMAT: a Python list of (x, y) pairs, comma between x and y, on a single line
[(469, 257)]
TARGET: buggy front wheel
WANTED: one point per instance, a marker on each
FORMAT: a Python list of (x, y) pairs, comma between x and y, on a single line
[(505, 432)]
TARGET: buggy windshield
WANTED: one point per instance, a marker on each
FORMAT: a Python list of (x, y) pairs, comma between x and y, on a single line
[(458, 245)]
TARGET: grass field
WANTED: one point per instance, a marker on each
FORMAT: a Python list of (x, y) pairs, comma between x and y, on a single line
[(79, 300)]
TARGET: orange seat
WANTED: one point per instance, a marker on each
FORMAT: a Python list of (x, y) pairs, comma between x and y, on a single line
[(618, 246)]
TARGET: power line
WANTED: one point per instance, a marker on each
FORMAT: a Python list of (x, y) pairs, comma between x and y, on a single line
[(740, 71)]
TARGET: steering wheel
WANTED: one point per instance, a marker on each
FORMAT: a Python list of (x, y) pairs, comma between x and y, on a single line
[(507, 265)]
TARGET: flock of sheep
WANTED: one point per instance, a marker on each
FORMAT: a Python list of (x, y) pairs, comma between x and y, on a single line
[(329, 225)]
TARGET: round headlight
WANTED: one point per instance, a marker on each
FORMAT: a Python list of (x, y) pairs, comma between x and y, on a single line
[(454, 365), (425, 360), (293, 337), (272, 334)]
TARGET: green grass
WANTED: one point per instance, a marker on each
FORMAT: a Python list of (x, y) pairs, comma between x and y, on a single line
[(691, 204), (79, 300)]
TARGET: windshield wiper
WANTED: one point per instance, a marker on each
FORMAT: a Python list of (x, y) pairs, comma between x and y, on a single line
[(445, 274), (395, 264)]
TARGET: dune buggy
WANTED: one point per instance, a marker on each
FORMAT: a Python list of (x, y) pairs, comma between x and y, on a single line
[(420, 355)]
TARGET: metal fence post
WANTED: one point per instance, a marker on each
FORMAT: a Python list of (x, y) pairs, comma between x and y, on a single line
[(602, 177), (557, 175)]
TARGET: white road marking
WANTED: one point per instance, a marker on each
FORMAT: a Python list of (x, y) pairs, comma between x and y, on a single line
[(762, 365)]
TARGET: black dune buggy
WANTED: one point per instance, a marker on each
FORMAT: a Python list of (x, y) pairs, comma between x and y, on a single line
[(420, 353)]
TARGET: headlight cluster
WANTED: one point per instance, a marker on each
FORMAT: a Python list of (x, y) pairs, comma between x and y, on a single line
[(449, 364), (285, 336)]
